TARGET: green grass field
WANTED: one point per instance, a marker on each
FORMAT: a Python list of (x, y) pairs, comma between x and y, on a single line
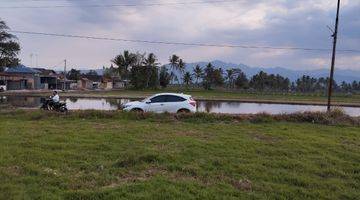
[(93, 155)]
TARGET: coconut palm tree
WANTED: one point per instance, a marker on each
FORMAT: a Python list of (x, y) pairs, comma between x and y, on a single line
[(230, 77), (151, 65), (197, 73), (174, 62), (187, 79), (174, 65), (181, 67), (124, 62)]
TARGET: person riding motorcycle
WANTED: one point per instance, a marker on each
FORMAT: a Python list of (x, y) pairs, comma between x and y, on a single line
[(53, 103), (54, 99)]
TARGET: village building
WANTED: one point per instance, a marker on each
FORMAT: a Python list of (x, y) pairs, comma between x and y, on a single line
[(118, 83), (25, 78), (2, 82), (106, 84), (84, 84), (48, 79), (21, 78), (93, 81)]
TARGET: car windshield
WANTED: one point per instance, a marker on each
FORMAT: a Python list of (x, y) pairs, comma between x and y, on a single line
[(146, 99)]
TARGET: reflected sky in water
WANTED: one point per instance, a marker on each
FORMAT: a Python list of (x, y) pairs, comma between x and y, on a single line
[(203, 106), (253, 108), (95, 104)]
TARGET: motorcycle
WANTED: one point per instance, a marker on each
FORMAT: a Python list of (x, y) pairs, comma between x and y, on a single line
[(49, 104)]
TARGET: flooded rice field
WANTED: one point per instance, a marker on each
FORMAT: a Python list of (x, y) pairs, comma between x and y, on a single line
[(226, 107)]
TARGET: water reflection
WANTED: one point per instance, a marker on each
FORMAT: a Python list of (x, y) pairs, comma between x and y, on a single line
[(21, 102), (203, 106), (73, 100), (208, 106), (253, 108), (95, 104)]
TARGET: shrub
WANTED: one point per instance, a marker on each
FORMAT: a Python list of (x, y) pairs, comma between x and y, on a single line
[(335, 117)]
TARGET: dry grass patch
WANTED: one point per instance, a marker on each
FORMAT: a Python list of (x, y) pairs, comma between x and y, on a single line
[(264, 138)]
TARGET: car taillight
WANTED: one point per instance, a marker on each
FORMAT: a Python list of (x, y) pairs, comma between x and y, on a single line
[(192, 102)]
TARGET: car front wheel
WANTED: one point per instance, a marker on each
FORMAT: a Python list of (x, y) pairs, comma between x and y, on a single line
[(137, 110)]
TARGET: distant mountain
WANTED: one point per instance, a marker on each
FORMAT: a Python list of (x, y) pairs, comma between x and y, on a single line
[(340, 74), (85, 71)]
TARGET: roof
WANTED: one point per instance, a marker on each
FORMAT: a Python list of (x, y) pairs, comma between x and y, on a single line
[(107, 80), (21, 69), (94, 78), (10, 75), (174, 94), (46, 72)]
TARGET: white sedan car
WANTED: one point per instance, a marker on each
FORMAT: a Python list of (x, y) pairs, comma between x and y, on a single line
[(165, 102)]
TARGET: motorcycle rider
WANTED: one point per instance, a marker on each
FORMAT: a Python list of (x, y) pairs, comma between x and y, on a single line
[(53, 103), (54, 99)]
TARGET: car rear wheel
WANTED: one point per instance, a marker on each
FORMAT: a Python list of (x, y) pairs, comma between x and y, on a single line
[(183, 111)]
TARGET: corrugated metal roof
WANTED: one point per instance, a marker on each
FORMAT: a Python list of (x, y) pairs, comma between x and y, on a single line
[(21, 69)]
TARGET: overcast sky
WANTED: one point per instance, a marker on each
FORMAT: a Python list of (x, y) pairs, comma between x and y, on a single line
[(293, 23)]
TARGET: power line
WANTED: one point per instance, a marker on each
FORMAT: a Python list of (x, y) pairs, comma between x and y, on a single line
[(122, 5), (183, 43), (16, 1)]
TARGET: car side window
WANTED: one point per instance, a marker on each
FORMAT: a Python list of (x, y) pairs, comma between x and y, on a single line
[(172, 98), (158, 99)]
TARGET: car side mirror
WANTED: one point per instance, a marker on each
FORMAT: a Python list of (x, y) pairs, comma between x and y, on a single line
[(148, 102)]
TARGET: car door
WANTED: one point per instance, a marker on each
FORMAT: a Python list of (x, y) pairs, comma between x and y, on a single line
[(173, 103), (157, 104)]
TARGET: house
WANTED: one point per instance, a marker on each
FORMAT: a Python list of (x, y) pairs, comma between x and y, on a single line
[(21, 78), (118, 83), (2, 82), (84, 84), (67, 85), (48, 78), (90, 81), (106, 84)]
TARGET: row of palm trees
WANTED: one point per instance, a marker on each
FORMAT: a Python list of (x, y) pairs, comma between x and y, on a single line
[(143, 71), (127, 61)]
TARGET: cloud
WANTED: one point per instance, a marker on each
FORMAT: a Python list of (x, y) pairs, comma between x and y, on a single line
[(258, 22)]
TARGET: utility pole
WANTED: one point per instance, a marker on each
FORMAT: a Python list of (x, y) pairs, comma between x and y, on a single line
[(31, 59), (64, 75), (335, 34), (36, 60)]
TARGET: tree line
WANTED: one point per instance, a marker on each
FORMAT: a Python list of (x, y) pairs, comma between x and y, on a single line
[(144, 71)]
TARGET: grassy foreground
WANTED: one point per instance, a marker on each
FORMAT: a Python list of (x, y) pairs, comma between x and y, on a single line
[(114, 155)]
